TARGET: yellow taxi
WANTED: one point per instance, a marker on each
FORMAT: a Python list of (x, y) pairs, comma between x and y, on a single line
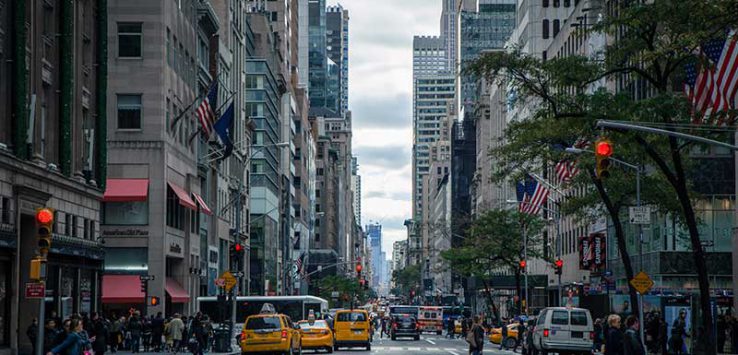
[(351, 329), (457, 326), (316, 334), (271, 332), (495, 336)]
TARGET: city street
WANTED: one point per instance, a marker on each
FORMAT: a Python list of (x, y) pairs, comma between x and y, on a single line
[(428, 344)]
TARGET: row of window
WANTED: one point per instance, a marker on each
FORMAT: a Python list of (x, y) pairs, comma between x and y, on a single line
[(557, 3), (546, 26)]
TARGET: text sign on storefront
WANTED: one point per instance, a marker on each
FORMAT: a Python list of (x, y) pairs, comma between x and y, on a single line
[(35, 290)]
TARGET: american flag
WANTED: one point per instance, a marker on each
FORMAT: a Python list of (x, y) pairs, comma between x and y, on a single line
[(205, 112), (522, 198), (298, 263), (566, 170), (535, 195), (713, 87)]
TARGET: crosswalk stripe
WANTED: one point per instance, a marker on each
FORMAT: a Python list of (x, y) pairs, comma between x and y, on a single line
[(413, 349)]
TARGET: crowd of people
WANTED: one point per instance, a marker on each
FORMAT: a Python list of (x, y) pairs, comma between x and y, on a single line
[(83, 334)]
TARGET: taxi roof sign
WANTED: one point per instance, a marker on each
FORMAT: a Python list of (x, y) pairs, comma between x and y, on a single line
[(268, 308)]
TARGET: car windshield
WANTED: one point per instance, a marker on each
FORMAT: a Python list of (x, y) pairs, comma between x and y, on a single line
[(351, 317), (318, 324), (257, 323)]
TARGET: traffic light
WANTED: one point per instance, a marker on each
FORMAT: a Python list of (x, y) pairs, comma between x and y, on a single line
[(358, 270), (44, 221), (558, 265), (603, 151), (522, 265), (144, 286), (153, 301)]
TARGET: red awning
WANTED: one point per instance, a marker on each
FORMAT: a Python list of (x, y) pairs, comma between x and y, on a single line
[(203, 205), (126, 190), (122, 289), (184, 197), (176, 292)]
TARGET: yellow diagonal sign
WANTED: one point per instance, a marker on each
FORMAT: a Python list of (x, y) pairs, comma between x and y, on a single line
[(641, 282), (230, 280)]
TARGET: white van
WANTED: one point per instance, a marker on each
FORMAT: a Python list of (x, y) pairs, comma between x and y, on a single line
[(564, 330)]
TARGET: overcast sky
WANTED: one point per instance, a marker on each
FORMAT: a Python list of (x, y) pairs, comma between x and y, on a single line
[(380, 98)]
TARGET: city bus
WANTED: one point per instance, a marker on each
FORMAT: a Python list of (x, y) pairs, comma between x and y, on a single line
[(411, 310), (296, 307), (430, 319), (453, 313)]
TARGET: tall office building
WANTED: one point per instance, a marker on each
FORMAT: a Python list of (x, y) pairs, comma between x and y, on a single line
[(317, 54), (485, 25), (433, 90), (337, 46), (356, 188), (374, 234)]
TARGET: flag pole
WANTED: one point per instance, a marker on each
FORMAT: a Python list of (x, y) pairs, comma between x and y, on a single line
[(197, 99)]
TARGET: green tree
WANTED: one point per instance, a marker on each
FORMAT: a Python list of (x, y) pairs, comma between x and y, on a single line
[(495, 244), (651, 42), (349, 290), (406, 279)]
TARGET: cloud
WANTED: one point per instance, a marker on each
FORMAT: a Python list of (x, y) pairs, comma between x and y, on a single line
[(390, 157), (395, 111)]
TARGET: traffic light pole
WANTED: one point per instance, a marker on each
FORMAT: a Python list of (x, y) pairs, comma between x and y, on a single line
[(39, 346), (525, 270)]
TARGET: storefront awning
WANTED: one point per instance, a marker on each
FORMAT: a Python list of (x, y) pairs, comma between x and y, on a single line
[(176, 291), (184, 197), (122, 289), (126, 190), (205, 209)]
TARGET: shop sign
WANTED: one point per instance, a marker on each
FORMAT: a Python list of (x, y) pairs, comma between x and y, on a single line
[(175, 248), (174, 245), (125, 232)]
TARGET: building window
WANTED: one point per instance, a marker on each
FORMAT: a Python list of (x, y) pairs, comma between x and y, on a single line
[(567, 3), (545, 3), (129, 111), (129, 40), (556, 27), (557, 3), (126, 213), (545, 29), (175, 211)]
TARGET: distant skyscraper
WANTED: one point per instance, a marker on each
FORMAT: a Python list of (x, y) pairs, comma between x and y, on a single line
[(317, 55), (448, 30), (337, 22), (356, 188), (374, 234)]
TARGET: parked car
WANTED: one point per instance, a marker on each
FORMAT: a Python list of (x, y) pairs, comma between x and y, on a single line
[(564, 330), (404, 325)]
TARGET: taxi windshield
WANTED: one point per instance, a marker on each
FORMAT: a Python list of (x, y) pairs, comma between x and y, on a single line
[(263, 323), (318, 324)]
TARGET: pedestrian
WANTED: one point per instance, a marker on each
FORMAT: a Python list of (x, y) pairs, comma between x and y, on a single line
[(521, 331), (463, 327), (383, 327), (50, 334), (74, 343), (135, 327), (721, 326), (32, 333), (476, 337), (450, 327), (157, 331), (599, 335), (734, 335), (100, 332), (503, 331), (61, 334), (678, 333), (176, 328), (632, 341), (614, 338)]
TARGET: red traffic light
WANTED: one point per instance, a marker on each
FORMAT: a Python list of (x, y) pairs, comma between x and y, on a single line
[(603, 147), (237, 247), (522, 264), (44, 216), (153, 301), (359, 267), (559, 263)]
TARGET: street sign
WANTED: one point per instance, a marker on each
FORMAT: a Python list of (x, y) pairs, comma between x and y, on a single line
[(639, 215), (146, 277), (238, 274), (220, 282), (641, 282), (230, 280), (35, 290), (335, 294)]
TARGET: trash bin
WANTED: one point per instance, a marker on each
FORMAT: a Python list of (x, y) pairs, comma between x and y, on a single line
[(222, 341)]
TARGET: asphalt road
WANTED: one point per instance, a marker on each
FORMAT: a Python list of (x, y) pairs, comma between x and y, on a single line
[(428, 344)]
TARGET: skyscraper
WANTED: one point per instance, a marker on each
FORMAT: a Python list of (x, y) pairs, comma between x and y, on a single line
[(433, 90), (337, 37), (317, 56), (374, 234)]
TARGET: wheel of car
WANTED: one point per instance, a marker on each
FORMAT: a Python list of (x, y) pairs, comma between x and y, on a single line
[(417, 337), (335, 347), (438, 332), (329, 349), (368, 347), (510, 343)]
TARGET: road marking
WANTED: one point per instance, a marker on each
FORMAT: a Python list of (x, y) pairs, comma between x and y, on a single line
[(453, 352), (395, 348), (432, 349), (430, 341), (413, 349)]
